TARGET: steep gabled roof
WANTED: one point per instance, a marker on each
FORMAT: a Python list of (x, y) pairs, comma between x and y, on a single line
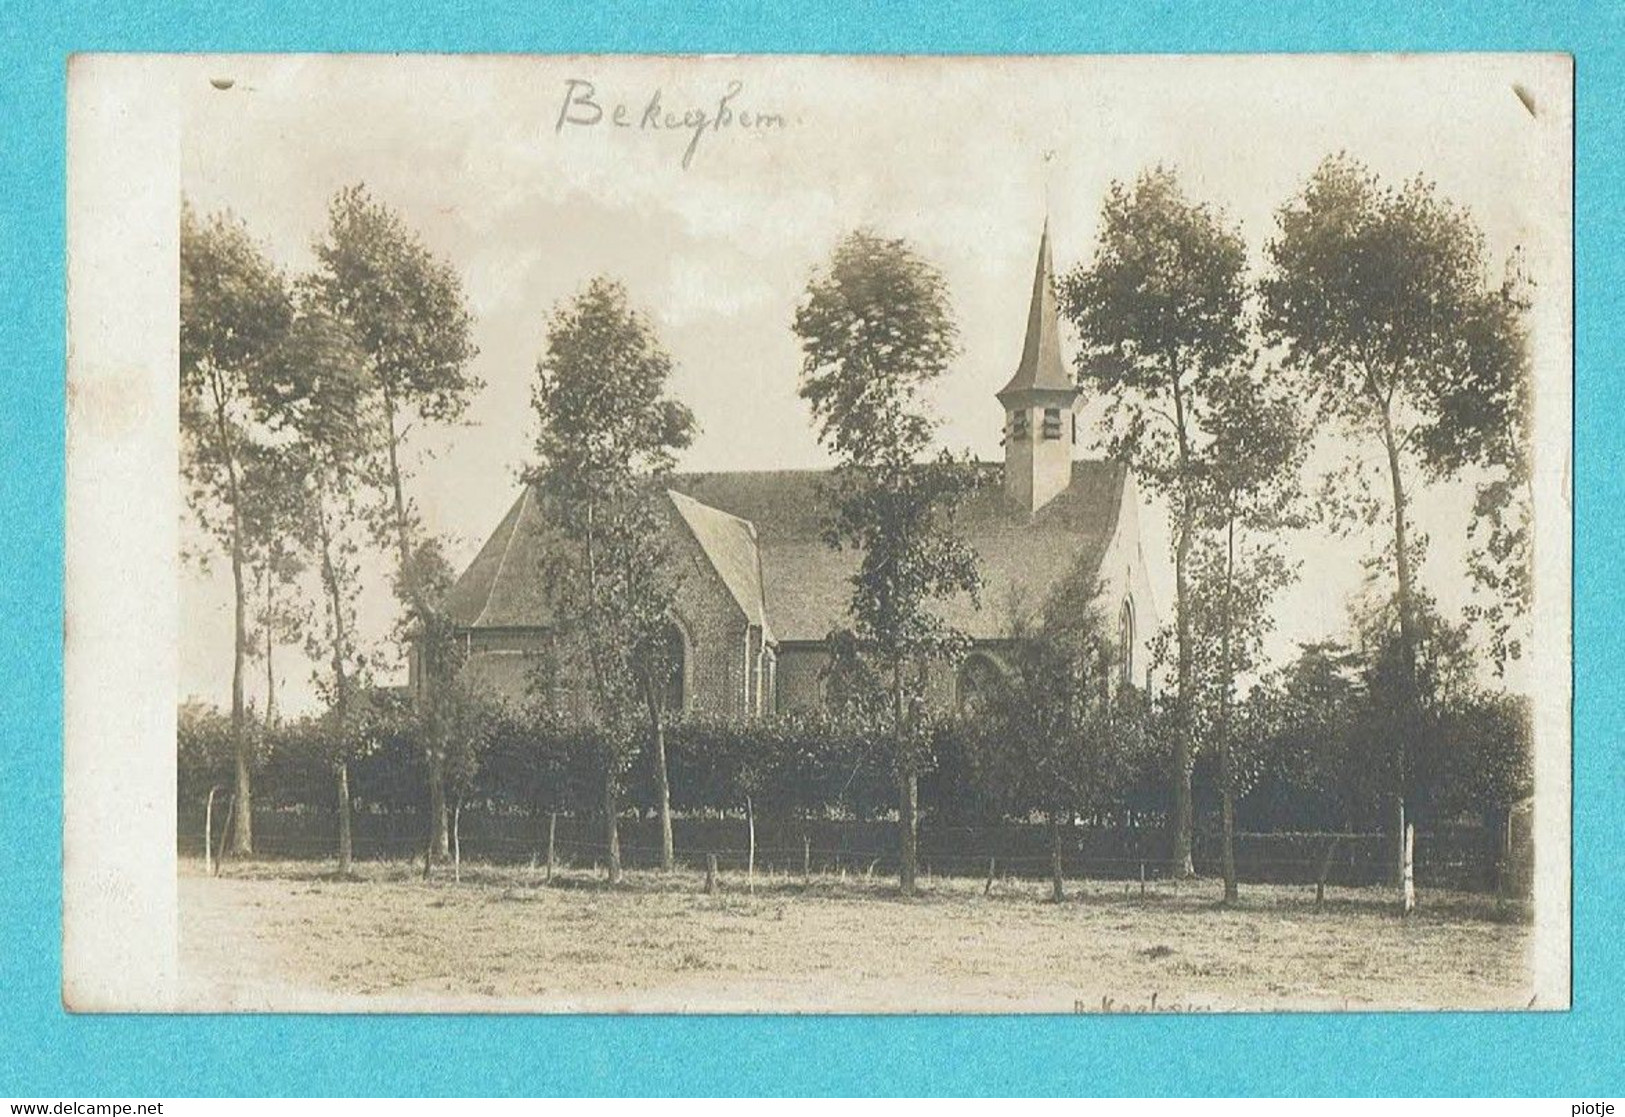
[(730, 543), (762, 532), (807, 584), (1041, 365), (503, 587)]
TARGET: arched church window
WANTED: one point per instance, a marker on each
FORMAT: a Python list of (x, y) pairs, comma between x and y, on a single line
[(1125, 642), (977, 685)]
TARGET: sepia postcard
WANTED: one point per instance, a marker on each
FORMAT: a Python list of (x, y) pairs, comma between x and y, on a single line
[(818, 534)]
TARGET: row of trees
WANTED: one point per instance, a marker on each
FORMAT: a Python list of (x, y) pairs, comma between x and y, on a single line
[(1374, 313), (1302, 759), (1375, 317), (297, 397)]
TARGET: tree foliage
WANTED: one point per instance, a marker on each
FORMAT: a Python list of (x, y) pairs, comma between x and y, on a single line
[(1056, 735), (1161, 313), (1379, 299), (608, 435), (876, 331), (404, 312), (1248, 480), (234, 309)]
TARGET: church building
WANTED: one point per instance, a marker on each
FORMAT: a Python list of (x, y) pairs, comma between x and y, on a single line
[(761, 590)]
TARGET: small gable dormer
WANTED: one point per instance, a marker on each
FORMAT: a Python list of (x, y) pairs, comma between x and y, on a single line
[(1039, 401)]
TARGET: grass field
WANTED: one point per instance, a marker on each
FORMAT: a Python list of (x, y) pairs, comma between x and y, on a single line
[(283, 936)]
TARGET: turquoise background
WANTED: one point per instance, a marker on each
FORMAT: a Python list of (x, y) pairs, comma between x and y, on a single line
[(44, 1051)]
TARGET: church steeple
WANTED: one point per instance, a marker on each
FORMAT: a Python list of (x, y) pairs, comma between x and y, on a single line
[(1039, 401)]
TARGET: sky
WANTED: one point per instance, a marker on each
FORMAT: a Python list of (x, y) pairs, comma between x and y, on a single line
[(515, 170)]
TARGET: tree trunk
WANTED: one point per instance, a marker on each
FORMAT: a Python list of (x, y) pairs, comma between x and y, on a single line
[(220, 850), (1180, 861), (1410, 698), (270, 649), (208, 833), (908, 789), (341, 682), (345, 847), (1407, 879), (1226, 756), (552, 831), (1057, 881), (657, 726), (908, 810), (242, 838), (428, 633), (612, 826), (1231, 887), (439, 830), (750, 857), (457, 842)]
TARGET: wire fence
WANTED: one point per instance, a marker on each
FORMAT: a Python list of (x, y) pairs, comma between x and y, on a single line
[(1457, 857)]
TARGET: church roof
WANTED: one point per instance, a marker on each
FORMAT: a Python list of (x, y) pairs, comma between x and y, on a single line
[(730, 543), (503, 587), (1041, 364), (807, 585), (763, 533)]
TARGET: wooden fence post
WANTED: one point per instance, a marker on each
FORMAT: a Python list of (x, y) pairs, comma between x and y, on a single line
[(1325, 870), (806, 859), (457, 843), (552, 829), (208, 833), (710, 874), (1409, 883), (220, 850), (987, 889), (750, 860)]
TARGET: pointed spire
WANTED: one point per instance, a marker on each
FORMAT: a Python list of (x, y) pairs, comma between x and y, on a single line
[(1041, 363)]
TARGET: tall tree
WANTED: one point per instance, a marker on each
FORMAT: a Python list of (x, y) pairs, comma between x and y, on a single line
[(318, 396), (465, 721), (405, 310), (1161, 313), (273, 513), (1486, 426), (608, 436), (1248, 483), (1054, 733), (876, 331), (235, 307), (1380, 299), (279, 614)]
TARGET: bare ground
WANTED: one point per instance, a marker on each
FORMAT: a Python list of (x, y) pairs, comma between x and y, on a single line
[(288, 937)]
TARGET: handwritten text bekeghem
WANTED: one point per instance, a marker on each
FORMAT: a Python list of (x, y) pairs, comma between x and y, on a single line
[(582, 108)]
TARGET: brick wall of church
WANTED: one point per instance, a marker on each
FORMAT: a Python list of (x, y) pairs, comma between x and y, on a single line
[(800, 684), (716, 680), (715, 629), (799, 669), (713, 626), (504, 663)]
